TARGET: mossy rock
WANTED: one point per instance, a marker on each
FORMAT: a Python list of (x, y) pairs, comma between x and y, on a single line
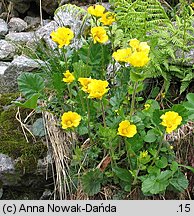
[(12, 140)]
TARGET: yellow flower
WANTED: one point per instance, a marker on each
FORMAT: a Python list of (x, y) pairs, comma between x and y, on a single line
[(127, 129), (97, 88), (69, 78), (85, 82), (99, 34), (137, 55), (192, 5), (144, 158), (143, 154), (171, 120), (134, 43), (62, 36), (143, 47), (139, 46), (96, 10), (70, 119), (138, 59), (163, 95), (147, 106), (122, 54), (107, 18)]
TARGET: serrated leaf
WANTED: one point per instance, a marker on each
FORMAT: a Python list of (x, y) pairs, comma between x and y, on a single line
[(184, 86), (179, 182), (151, 185), (91, 182), (30, 84), (31, 103), (164, 175)]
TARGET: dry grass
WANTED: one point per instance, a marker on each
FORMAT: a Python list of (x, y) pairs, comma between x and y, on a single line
[(61, 148)]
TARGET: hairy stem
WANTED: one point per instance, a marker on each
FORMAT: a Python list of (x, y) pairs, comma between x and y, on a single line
[(133, 99)]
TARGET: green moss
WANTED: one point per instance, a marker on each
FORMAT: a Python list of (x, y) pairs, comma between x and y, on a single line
[(12, 140), (6, 99)]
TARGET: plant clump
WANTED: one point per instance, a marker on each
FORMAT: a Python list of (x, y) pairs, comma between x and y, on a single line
[(117, 132)]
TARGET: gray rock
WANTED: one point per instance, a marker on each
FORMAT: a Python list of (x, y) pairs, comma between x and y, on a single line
[(6, 169), (3, 67), (32, 22), (72, 16), (45, 31), (6, 164), (20, 38), (3, 28), (188, 57), (46, 195), (16, 25), (7, 50), (17, 66)]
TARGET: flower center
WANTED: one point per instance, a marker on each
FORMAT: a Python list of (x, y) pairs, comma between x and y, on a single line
[(124, 131), (69, 123)]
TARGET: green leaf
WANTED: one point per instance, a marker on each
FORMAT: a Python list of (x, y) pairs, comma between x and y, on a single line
[(38, 128), (164, 175), (91, 182), (107, 132), (174, 166), (189, 105), (135, 143), (152, 186), (127, 188), (181, 110), (122, 174), (94, 54), (31, 103), (162, 162), (81, 70), (150, 136), (153, 170), (156, 184), (136, 77), (156, 117), (179, 182), (139, 88), (82, 130), (30, 84), (190, 97)]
